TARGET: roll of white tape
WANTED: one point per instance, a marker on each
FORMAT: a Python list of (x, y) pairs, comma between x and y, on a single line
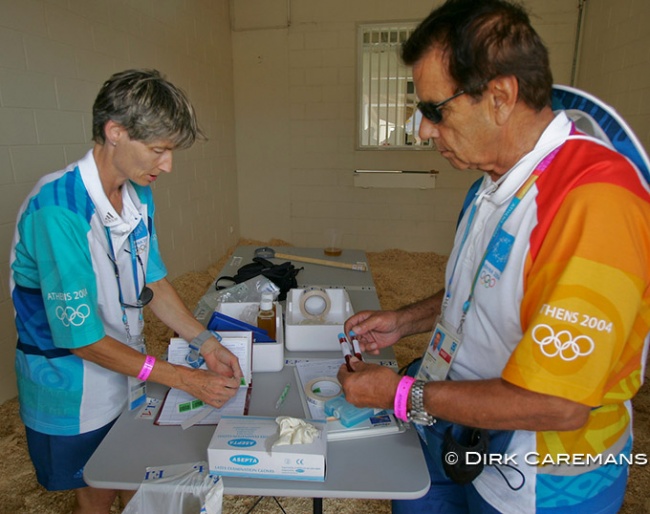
[(321, 389), (314, 303)]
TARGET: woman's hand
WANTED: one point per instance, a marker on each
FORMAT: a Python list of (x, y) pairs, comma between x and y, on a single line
[(220, 360), (210, 387)]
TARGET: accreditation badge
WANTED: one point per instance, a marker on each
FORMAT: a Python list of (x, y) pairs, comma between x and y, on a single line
[(137, 389), (442, 349)]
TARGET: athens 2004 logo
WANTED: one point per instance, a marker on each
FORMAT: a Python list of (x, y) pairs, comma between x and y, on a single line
[(71, 316), (563, 344)]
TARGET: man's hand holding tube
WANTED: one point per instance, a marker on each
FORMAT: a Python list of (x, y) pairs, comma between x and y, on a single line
[(369, 385), (379, 329), (374, 329)]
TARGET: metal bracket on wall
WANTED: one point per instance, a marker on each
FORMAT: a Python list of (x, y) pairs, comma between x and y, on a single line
[(409, 179)]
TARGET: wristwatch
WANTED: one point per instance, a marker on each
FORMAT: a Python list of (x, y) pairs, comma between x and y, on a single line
[(193, 356), (417, 414)]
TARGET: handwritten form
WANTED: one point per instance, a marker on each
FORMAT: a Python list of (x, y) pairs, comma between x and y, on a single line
[(180, 408)]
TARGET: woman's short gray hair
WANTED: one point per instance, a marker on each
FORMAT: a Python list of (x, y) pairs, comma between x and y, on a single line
[(148, 106)]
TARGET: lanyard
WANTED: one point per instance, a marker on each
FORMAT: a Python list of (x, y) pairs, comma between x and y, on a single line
[(514, 203), (134, 267)]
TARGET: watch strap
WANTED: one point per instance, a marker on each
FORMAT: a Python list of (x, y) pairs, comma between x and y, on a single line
[(418, 413), (194, 357)]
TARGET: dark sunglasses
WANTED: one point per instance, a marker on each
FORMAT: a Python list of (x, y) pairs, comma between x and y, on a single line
[(146, 294), (432, 111)]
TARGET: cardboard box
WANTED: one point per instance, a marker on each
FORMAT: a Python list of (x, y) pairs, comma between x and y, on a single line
[(241, 447), (268, 355), (303, 334)]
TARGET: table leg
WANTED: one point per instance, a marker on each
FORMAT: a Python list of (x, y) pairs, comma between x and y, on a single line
[(318, 506)]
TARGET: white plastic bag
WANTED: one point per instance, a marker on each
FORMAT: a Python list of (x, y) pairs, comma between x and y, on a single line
[(249, 291), (178, 489)]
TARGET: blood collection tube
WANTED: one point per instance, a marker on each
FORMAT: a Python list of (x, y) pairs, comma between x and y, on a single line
[(345, 348), (356, 348)]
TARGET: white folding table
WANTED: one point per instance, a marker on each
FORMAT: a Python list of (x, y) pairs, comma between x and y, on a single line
[(389, 466)]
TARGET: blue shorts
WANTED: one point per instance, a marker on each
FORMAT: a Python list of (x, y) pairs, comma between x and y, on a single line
[(59, 460)]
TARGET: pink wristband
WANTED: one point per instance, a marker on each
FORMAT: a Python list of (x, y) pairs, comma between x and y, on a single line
[(147, 367), (401, 397)]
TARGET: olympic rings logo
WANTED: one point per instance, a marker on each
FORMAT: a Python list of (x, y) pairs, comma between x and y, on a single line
[(71, 316), (487, 280), (141, 246), (563, 343)]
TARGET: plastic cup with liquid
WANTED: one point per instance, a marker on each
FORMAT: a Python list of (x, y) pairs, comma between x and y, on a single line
[(333, 242)]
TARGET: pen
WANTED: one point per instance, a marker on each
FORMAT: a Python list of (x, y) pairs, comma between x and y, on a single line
[(356, 347), (283, 395), (345, 348)]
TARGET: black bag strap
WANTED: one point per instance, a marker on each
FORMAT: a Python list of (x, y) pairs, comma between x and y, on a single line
[(219, 287)]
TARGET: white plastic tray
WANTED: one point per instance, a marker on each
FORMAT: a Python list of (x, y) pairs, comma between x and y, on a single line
[(303, 334)]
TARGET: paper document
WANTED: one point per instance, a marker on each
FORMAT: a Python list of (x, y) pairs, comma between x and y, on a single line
[(180, 408), (239, 343), (171, 415)]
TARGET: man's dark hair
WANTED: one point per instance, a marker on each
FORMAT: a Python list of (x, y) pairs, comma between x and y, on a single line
[(483, 40)]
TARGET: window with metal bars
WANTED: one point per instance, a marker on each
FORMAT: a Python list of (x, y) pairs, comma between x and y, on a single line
[(388, 116)]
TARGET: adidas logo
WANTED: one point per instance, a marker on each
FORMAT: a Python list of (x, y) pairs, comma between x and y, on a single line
[(109, 217)]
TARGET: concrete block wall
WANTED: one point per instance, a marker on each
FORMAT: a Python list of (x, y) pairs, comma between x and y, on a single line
[(322, 96), (308, 116), (615, 59), (54, 56)]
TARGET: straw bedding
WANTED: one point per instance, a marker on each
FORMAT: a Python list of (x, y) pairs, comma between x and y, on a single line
[(400, 277)]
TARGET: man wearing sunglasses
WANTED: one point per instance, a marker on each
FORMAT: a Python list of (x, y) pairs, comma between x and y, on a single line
[(525, 407), (85, 262)]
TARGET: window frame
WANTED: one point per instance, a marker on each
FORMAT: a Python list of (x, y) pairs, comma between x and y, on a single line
[(392, 34)]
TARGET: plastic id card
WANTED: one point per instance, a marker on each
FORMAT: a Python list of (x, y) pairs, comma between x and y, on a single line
[(440, 353)]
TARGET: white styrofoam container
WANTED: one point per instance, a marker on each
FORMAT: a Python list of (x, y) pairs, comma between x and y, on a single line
[(302, 334), (266, 356)]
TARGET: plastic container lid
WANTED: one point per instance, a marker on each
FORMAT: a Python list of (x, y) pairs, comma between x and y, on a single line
[(266, 304)]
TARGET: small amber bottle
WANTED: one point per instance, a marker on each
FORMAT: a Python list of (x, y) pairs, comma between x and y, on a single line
[(266, 315)]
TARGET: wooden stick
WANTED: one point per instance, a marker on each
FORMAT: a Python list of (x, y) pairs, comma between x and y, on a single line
[(358, 266)]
